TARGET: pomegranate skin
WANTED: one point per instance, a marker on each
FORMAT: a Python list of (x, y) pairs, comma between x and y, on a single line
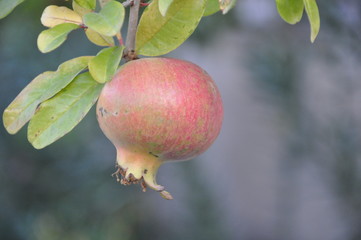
[(156, 110)]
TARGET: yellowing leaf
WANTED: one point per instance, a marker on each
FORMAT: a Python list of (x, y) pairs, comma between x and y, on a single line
[(108, 21), (60, 114), (313, 16), (99, 39), (50, 39), (290, 10), (54, 15), (157, 35), (104, 65), (41, 88), (164, 5), (6, 6)]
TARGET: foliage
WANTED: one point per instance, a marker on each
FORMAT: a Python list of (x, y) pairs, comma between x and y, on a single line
[(292, 10), (55, 102), (158, 35), (43, 87), (6, 6)]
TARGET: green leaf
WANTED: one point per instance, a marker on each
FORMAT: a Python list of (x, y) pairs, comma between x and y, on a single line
[(290, 10), (60, 114), (99, 39), (80, 10), (108, 21), (227, 5), (103, 2), (54, 15), (212, 7), (313, 17), (41, 88), (7, 6), (87, 4), (50, 39), (104, 65), (164, 5), (158, 35)]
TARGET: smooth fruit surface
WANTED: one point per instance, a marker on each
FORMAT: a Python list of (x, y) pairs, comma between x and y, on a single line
[(156, 110)]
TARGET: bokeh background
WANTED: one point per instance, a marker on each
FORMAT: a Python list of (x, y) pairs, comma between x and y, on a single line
[(286, 166)]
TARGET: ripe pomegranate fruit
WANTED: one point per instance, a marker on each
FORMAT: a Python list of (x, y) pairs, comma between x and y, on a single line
[(156, 110)]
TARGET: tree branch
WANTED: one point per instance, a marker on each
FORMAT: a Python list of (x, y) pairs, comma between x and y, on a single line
[(127, 3), (132, 30)]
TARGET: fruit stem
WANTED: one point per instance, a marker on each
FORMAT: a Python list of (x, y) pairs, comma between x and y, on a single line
[(129, 52)]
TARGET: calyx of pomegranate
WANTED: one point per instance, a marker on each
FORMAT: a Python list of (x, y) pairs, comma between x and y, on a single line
[(134, 167), (158, 110)]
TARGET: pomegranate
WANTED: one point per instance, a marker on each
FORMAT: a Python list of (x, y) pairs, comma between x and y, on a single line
[(156, 110)]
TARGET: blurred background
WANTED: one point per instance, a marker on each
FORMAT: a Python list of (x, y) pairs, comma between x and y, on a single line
[(286, 166)]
